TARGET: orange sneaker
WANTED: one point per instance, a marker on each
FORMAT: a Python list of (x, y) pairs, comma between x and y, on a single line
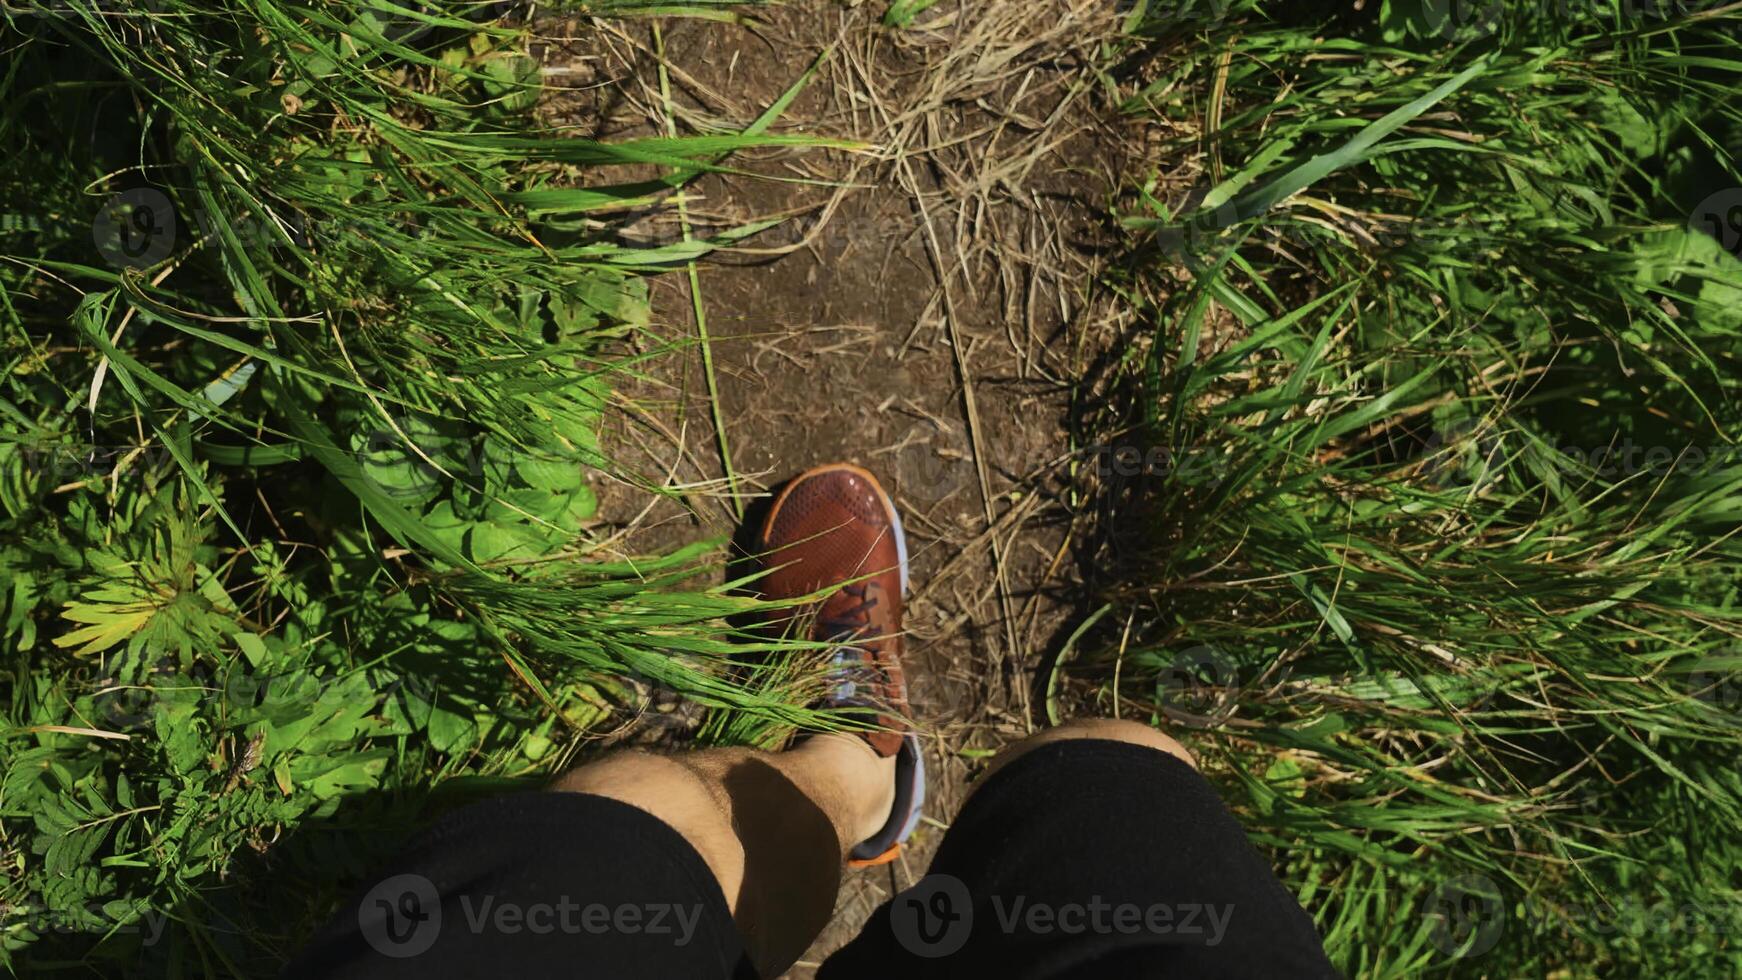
[(833, 531)]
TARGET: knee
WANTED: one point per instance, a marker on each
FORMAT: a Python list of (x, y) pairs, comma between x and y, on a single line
[(685, 797), (1121, 730), (1110, 729), (642, 778)]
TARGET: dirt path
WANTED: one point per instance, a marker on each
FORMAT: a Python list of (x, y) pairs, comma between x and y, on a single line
[(957, 246)]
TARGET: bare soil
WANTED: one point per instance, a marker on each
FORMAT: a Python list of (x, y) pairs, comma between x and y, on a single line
[(945, 262)]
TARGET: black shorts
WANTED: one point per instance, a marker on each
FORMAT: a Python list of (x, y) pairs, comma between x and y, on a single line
[(1083, 858)]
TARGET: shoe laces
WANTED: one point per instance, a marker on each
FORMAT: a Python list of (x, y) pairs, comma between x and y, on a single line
[(852, 622), (847, 628)]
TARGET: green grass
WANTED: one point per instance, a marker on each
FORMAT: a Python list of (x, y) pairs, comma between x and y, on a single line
[(1438, 544), (1438, 369), (309, 326)]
